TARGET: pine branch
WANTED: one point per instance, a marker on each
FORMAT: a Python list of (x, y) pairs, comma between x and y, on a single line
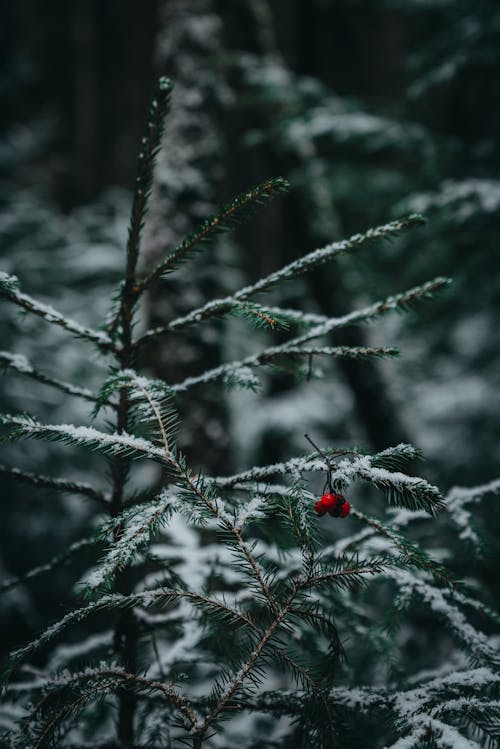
[(92, 675), (347, 571), (395, 303), (197, 492), (296, 268), (290, 467), (118, 444), (224, 220), (414, 555), (9, 289), (60, 485), (474, 604), (229, 372), (323, 326), (55, 562), (411, 492), (69, 693), (157, 597), (214, 504), (408, 491), (243, 672), (20, 364), (474, 642), (258, 316), (144, 395), (458, 502), (344, 352), (151, 145), (128, 533)]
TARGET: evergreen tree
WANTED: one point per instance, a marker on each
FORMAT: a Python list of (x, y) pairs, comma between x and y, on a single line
[(244, 608)]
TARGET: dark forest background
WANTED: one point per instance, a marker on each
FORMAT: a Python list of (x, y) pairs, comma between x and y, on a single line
[(372, 109)]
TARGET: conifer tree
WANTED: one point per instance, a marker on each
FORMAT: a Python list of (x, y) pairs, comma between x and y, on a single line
[(219, 609)]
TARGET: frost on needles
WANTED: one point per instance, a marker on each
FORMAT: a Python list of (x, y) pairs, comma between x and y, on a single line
[(213, 598)]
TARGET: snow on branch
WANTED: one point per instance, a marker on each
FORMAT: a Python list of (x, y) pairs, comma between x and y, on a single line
[(160, 597), (319, 325), (475, 642), (129, 532), (325, 254), (49, 482), (415, 556), (150, 402), (20, 364), (302, 265), (224, 220), (463, 695), (230, 372), (122, 444), (9, 289), (458, 502), (411, 492), (56, 561), (394, 303), (151, 144)]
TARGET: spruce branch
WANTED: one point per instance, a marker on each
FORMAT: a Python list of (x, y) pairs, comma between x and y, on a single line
[(49, 482), (118, 444), (395, 303), (347, 571), (245, 669), (224, 220), (474, 642), (229, 372), (115, 676), (20, 363), (112, 601), (151, 144), (52, 564), (414, 555), (9, 289), (213, 504), (150, 147), (69, 693), (127, 533), (296, 268), (321, 326), (402, 489)]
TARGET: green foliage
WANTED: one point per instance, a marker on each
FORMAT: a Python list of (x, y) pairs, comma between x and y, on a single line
[(211, 585)]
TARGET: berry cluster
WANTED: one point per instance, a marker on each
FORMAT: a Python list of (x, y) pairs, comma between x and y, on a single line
[(334, 504)]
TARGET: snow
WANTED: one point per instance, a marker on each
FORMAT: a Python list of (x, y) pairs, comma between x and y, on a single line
[(474, 640), (458, 496), (377, 132), (21, 364), (49, 313), (464, 197), (252, 510), (408, 742), (17, 361), (136, 527), (84, 435), (65, 653)]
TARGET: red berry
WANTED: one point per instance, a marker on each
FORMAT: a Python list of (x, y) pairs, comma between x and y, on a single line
[(345, 510), (329, 501), (319, 508), (334, 508)]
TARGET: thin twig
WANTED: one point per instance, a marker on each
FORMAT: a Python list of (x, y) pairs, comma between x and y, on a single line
[(61, 485), (247, 666), (211, 506)]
